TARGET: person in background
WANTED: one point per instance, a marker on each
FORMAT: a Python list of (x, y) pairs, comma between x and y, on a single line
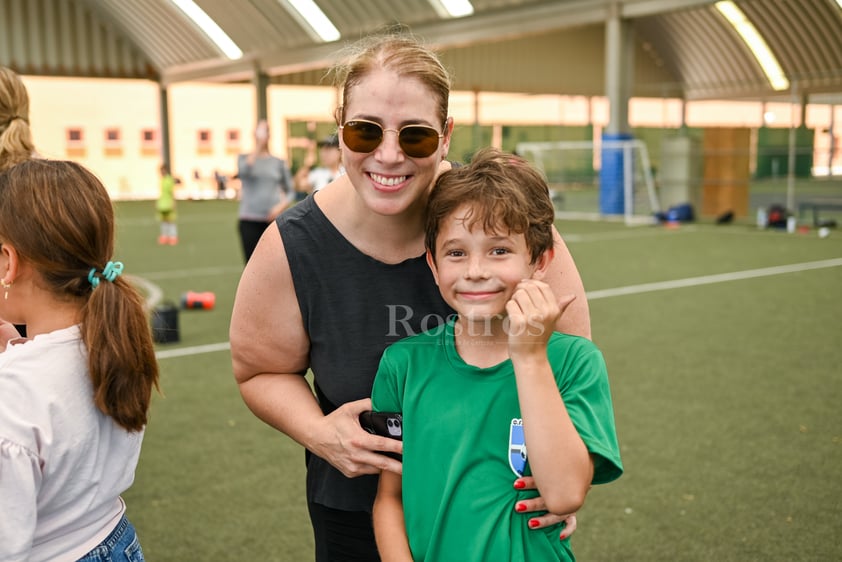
[(221, 184), (165, 206), (266, 189), (342, 274), (495, 392), (310, 178), (75, 395), (16, 145)]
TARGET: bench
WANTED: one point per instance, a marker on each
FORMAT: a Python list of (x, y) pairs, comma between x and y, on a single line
[(818, 205)]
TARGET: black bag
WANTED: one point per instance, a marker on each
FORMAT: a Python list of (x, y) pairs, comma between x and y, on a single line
[(165, 323), (776, 216)]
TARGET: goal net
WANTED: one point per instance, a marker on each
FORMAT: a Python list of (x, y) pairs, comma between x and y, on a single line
[(573, 171)]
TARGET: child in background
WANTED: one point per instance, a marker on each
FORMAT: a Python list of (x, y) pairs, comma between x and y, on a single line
[(492, 383), (74, 396), (311, 178), (166, 208)]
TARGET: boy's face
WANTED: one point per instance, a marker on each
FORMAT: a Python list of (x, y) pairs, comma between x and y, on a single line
[(476, 271)]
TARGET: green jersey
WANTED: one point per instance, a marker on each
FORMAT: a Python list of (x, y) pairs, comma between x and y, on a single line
[(463, 444)]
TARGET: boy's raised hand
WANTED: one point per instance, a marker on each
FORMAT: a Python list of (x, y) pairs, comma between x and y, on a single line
[(532, 314)]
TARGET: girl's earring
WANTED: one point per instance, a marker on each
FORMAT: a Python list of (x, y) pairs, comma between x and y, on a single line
[(6, 286)]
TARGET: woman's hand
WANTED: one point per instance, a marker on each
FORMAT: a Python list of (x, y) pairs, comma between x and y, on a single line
[(349, 448), (537, 504)]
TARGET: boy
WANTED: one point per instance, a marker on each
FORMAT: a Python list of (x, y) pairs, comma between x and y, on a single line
[(492, 381), (165, 207)]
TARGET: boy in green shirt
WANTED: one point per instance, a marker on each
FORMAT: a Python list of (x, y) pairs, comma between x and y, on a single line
[(494, 379), (165, 208)]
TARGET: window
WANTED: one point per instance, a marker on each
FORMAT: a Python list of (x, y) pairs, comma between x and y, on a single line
[(232, 139), (75, 137), (113, 138), (149, 140), (203, 140)]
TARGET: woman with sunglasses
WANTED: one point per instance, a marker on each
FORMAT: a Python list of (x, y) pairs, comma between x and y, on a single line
[(342, 275)]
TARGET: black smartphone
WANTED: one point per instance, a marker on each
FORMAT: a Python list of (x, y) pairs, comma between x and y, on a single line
[(387, 424)]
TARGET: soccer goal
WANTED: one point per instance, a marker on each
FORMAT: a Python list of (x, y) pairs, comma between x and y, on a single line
[(572, 169)]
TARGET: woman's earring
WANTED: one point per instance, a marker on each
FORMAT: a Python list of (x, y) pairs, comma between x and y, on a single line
[(6, 286)]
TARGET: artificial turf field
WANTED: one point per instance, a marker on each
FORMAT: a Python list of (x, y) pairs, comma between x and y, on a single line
[(724, 349)]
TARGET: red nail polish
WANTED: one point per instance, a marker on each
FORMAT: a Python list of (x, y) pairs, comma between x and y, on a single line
[(520, 507), (520, 484), (534, 523)]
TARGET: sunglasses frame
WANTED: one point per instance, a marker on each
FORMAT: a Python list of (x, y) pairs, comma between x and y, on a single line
[(384, 130)]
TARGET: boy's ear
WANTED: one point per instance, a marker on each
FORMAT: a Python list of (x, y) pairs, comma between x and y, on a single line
[(542, 263), (432, 263)]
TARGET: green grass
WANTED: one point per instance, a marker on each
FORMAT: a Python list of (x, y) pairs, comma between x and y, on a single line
[(727, 396)]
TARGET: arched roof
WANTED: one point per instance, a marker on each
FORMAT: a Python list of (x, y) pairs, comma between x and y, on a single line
[(685, 48)]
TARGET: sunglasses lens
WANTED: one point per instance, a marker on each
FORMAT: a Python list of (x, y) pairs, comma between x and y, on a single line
[(418, 142), (361, 136)]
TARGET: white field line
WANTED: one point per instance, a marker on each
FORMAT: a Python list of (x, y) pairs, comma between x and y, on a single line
[(601, 294), (710, 279), (195, 350), (200, 272), (624, 234)]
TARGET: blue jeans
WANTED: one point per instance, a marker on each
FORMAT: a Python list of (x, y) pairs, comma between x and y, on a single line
[(120, 546)]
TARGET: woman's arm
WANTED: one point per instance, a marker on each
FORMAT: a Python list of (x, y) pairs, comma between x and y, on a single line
[(269, 352), (563, 278), (389, 524)]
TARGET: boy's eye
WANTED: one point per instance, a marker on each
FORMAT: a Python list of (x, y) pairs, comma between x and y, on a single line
[(454, 253), (500, 251)]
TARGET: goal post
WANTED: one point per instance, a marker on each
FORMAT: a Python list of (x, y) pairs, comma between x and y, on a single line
[(572, 171)]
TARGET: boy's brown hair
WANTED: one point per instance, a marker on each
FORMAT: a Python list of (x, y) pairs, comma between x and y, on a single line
[(505, 193)]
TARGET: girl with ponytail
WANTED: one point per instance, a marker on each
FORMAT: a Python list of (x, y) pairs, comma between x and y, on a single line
[(74, 394)]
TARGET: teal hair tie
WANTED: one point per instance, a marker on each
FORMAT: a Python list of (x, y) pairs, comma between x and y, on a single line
[(110, 272)]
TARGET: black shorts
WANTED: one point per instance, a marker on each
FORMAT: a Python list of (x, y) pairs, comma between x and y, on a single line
[(343, 536)]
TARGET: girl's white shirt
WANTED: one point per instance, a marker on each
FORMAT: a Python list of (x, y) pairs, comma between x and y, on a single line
[(63, 463)]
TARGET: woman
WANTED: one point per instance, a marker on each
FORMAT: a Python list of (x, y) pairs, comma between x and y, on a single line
[(343, 274), (75, 395), (15, 136), (16, 145), (265, 189)]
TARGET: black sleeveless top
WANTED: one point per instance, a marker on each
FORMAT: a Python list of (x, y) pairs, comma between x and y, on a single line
[(353, 307)]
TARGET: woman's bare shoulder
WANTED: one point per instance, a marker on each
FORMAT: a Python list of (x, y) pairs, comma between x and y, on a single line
[(267, 334)]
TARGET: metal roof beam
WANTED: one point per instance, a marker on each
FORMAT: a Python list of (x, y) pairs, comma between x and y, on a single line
[(481, 27)]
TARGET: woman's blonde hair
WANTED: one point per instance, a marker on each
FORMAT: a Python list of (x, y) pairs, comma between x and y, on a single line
[(15, 136), (393, 49), (59, 218)]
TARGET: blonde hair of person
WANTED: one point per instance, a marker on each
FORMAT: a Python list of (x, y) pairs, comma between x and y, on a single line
[(394, 49), (16, 143)]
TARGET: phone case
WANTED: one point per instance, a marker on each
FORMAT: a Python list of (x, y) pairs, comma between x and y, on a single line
[(387, 424)]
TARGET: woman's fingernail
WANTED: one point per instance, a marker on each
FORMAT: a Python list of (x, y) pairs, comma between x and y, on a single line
[(534, 523), (561, 537), (520, 507), (520, 484)]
